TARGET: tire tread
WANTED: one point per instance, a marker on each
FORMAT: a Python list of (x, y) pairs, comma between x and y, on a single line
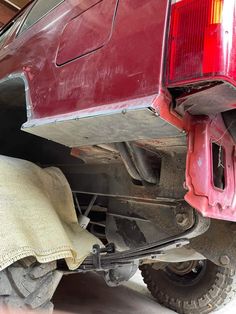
[(221, 293)]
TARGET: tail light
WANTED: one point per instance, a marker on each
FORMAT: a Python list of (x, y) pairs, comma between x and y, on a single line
[(201, 40)]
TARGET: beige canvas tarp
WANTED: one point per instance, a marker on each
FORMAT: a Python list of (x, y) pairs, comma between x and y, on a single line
[(37, 216)]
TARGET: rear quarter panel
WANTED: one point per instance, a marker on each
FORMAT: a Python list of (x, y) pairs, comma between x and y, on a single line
[(127, 67)]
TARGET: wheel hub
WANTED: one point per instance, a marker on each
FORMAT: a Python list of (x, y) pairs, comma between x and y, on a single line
[(184, 268)]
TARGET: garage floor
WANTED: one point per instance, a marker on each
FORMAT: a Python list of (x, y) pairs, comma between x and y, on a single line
[(88, 294)]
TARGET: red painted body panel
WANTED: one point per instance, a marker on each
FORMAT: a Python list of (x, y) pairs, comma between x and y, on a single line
[(128, 67), (203, 195), (87, 32)]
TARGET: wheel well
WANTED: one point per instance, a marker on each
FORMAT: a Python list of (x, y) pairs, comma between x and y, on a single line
[(12, 93), (12, 115), (14, 142)]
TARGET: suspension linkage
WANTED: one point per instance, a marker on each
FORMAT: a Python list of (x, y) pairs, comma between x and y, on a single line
[(107, 258)]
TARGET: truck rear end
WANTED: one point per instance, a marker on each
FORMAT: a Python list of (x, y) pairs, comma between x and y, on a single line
[(137, 100)]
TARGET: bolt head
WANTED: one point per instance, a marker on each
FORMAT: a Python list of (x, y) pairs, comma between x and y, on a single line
[(224, 260), (182, 219)]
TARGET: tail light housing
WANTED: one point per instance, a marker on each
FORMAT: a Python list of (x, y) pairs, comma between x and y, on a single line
[(201, 41)]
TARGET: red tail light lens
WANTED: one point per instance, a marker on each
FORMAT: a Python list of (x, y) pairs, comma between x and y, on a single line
[(201, 40)]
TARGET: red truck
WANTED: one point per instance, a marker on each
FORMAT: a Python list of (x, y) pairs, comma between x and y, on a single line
[(135, 101)]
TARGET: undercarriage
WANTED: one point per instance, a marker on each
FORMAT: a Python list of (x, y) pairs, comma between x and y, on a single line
[(132, 196), (132, 192)]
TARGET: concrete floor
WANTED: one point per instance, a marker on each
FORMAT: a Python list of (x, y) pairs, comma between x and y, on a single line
[(88, 294)]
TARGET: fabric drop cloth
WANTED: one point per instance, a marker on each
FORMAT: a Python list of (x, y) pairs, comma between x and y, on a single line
[(37, 216)]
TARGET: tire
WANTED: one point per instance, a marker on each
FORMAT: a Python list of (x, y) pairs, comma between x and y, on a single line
[(27, 285), (200, 290)]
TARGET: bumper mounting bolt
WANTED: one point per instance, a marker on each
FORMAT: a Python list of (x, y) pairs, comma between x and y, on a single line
[(224, 260)]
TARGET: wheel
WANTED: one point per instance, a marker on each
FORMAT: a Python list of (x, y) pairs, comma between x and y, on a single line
[(195, 287), (28, 285)]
